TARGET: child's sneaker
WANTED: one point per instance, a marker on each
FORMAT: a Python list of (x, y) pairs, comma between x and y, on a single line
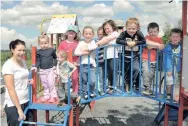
[(147, 92), (61, 103), (52, 100), (44, 99), (78, 100), (86, 97), (92, 95)]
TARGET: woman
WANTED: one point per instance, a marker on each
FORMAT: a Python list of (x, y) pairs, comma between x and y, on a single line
[(15, 75)]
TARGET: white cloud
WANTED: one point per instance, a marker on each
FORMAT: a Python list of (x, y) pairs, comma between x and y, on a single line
[(83, 1), (98, 10), (31, 12), (8, 35), (122, 6)]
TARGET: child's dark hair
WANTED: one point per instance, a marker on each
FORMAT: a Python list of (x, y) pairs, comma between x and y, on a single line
[(111, 23), (16, 42), (153, 25), (176, 30)]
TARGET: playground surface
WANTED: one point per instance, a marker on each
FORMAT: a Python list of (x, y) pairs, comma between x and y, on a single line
[(116, 111)]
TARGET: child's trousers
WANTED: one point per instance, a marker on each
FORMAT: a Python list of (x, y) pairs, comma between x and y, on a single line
[(148, 70), (75, 81), (87, 90), (47, 77), (63, 92)]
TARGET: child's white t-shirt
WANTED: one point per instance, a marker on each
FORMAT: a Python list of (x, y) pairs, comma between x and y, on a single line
[(85, 57), (110, 49), (20, 81)]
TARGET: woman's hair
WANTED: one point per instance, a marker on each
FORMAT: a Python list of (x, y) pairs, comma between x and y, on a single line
[(111, 23), (16, 42), (43, 36), (63, 53), (89, 27), (133, 20)]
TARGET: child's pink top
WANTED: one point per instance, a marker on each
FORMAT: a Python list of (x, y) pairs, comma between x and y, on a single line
[(69, 46)]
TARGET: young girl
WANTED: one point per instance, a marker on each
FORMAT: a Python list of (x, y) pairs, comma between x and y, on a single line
[(88, 34), (68, 45), (64, 71), (130, 38), (46, 61), (110, 30)]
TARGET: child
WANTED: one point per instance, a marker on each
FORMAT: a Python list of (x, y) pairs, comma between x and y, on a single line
[(100, 59), (154, 42), (65, 70), (130, 38), (69, 44), (88, 34), (172, 63), (46, 61), (110, 30)]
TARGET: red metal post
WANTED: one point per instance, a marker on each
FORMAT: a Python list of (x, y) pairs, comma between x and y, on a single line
[(181, 98), (34, 85), (166, 115), (47, 116), (71, 116), (77, 115), (184, 17)]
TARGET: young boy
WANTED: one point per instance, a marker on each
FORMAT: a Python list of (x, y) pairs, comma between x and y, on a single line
[(130, 38), (172, 62), (100, 59), (149, 56)]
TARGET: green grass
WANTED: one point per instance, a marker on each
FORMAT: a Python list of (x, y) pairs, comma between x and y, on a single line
[(5, 54)]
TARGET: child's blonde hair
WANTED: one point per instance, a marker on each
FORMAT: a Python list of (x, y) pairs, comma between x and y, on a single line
[(63, 53), (89, 27), (43, 36), (133, 20)]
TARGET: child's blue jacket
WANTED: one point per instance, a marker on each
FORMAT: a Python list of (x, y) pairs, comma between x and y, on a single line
[(172, 57)]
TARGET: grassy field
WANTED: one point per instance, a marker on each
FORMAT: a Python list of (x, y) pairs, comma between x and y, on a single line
[(5, 54)]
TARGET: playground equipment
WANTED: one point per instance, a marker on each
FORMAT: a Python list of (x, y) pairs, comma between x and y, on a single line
[(169, 111)]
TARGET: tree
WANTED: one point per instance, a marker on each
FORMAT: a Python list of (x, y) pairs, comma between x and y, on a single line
[(166, 29)]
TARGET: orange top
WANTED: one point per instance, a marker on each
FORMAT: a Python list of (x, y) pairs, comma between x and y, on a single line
[(153, 52)]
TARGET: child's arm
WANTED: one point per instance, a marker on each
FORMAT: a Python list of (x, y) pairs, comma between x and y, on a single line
[(121, 39), (54, 57), (71, 65), (141, 39), (80, 50), (105, 40), (152, 44)]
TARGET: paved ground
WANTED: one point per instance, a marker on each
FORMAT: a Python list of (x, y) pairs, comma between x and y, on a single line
[(116, 112)]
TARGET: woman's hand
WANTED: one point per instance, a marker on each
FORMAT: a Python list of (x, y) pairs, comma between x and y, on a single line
[(21, 115)]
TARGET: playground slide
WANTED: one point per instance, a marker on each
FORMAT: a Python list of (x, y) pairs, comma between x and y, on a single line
[(172, 115)]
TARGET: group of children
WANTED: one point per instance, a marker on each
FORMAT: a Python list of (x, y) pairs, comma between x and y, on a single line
[(94, 54)]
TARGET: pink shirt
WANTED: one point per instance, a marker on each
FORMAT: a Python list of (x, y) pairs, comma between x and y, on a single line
[(69, 46)]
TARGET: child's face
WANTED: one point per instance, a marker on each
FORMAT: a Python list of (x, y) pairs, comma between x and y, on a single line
[(60, 58), (153, 32), (44, 43), (131, 28), (71, 34), (88, 34), (175, 38), (108, 29), (100, 34)]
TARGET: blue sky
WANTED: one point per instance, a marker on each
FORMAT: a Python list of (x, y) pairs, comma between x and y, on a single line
[(21, 19)]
